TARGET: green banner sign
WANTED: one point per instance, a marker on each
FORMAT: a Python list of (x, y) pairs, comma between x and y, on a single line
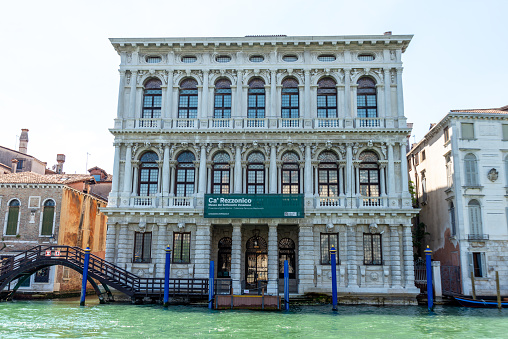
[(254, 206)]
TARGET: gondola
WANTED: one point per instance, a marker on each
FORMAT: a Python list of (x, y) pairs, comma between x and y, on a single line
[(480, 302)]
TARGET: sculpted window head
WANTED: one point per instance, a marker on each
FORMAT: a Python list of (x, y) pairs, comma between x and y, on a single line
[(290, 157), (149, 157), (327, 156), (256, 157), (189, 83), (368, 156), (153, 83), (221, 157), (186, 157)]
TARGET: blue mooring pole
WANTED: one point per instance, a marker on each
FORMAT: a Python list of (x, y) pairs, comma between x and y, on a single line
[(430, 296), (167, 272), (286, 285), (85, 276), (210, 288), (333, 262)]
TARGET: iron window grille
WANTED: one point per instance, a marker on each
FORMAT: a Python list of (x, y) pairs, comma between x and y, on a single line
[(142, 247), (327, 241), (287, 252), (181, 248), (372, 249)]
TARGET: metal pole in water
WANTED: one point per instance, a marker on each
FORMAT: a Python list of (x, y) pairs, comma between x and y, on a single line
[(167, 272), (210, 288), (430, 299), (286, 285), (498, 291), (473, 291), (85, 276), (333, 262)]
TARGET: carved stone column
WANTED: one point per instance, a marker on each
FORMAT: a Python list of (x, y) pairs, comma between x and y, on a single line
[(347, 93), (306, 113), (349, 174), (202, 171), (202, 250), (236, 257), (404, 178), (238, 169), (391, 172), (400, 95), (308, 172), (160, 252), (121, 90), (407, 249), (135, 177), (356, 165), (305, 258), (172, 166), (273, 169), (239, 89), (273, 93), (388, 94), (166, 112), (132, 97), (382, 166), (116, 177), (273, 259), (127, 178), (165, 172), (204, 99), (352, 265), (395, 255)]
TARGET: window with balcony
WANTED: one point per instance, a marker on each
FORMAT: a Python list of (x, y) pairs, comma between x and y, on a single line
[(185, 174), (328, 175), (327, 98), (471, 170), (48, 217), (369, 174), (222, 107), (327, 241), (152, 99), (221, 173), (372, 251), (475, 220), (290, 173), (287, 252), (256, 173), (366, 98), (142, 247), (181, 248), (188, 99), (256, 100), (12, 218), (290, 99), (148, 174), (224, 258)]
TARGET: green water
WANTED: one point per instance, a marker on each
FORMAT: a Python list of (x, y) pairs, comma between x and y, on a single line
[(66, 319)]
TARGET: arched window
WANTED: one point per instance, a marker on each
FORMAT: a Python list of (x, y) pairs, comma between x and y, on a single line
[(48, 216), (327, 98), (152, 100), (256, 99), (188, 100), (256, 173), (328, 175), (287, 252), (148, 174), (290, 173), (224, 258), (221, 173), (13, 218), (256, 262), (369, 174), (366, 101), (471, 170), (222, 109), (475, 220), (185, 174), (290, 101)]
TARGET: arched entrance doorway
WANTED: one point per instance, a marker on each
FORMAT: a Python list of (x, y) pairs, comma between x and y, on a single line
[(256, 262), (224, 258)]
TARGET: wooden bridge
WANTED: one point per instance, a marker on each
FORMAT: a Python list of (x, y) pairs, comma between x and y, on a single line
[(23, 265)]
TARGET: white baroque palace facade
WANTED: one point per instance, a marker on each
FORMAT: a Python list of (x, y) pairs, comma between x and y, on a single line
[(460, 171), (319, 117)]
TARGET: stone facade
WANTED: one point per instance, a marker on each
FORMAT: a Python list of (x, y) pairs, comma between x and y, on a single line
[(200, 70), (460, 171), (77, 221)]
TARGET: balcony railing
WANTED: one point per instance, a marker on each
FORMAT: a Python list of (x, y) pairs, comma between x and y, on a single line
[(327, 123), (477, 237), (289, 123), (372, 202), (144, 202), (328, 202), (255, 123), (187, 202), (369, 122), (221, 123), (185, 123), (149, 123)]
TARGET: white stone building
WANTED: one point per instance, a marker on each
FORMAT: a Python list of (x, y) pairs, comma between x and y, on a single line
[(460, 171), (317, 116)]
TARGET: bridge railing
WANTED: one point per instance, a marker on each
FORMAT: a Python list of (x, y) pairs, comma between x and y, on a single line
[(180, 287)]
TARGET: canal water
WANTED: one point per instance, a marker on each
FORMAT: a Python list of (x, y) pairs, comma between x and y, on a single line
[(66, 319)]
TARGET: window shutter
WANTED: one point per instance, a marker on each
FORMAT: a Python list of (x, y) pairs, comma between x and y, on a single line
[(505, 132), (47, 220), (467, 131), (484, 265), (474, 220), (12, 221), (470, 263)]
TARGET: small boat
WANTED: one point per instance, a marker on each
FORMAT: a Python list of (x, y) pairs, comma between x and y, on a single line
[(480, 302)]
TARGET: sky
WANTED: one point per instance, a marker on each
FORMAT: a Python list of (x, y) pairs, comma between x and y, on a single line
[(60, 75)]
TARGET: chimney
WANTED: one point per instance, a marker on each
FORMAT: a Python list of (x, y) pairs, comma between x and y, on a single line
[(60, 159), (14, 165), (388, 33), (23, 141)]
